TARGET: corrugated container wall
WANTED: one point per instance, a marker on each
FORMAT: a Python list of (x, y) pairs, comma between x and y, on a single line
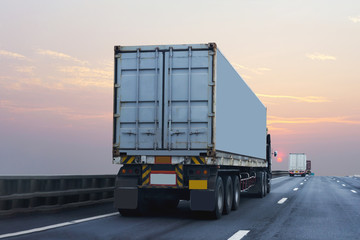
[(184, 100)]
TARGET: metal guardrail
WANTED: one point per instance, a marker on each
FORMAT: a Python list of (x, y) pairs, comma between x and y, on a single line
[(37, 193), (40, 193)]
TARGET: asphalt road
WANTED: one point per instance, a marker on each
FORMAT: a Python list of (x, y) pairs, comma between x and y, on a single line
[(297, 208)]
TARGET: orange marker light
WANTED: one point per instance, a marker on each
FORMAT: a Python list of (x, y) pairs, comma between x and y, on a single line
[(123, 171), (205, 172)]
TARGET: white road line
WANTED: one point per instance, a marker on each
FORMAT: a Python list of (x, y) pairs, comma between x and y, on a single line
[(353, 191), (301, 183), (295, 189), (343, 185), (337, 181), (305, 180), (281, 201), (40, 229), (239, 235)]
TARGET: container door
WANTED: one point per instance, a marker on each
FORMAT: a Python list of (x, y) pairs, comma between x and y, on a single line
[(138, 100), (188, 98)]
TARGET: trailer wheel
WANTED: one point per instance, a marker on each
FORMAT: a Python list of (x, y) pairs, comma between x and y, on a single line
[(268, 185), (236, 199), (129, 212), (172, 204), (219, 199), (261, 185), (265, 183), (229, 195)]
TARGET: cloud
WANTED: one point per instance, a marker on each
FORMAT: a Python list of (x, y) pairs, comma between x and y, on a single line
[(259, 70), (320, 56), (354, 19), (342, 120), (85, 77), (25, 69), (309, 99), (60, 55), (68, 113), (12, 55)]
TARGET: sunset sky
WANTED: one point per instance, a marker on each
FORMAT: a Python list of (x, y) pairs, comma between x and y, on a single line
[(300, 57)]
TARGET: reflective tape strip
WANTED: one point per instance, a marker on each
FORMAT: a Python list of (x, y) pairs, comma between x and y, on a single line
[(162, 187), (197, 160), (127, 160), (197, 184), (145, 174), (180, 175)]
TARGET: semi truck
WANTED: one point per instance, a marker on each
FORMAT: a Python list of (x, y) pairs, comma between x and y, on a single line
[(308, 166), (186, 127), (297, 164)]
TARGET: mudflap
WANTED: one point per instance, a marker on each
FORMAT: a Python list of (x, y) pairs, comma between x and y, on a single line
[(126, 197), (202, 200), (126, 193)]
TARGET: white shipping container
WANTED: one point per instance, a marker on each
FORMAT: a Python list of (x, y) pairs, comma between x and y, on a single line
[(184, 100), (297, 162)]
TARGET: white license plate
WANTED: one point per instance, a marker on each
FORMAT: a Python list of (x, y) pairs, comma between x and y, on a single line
[(163, 178)]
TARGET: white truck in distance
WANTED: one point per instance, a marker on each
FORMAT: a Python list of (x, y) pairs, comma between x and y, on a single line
[(297, 164)]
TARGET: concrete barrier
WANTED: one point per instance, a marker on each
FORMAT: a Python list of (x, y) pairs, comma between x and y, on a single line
[(36, 193)]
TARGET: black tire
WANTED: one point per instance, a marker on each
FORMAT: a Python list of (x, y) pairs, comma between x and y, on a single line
[(260, 185), (171, 204), (268, 185), (129, 212), (303, 175), (229, 195), (219, 199), (236, 199), (265, 183)]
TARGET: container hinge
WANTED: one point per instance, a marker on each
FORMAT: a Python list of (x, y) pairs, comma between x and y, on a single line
[(177, 132), (196, 132), (211, 53), (211, 114), (149, 132), (118, 55), (130, 133), (116, 85), (116, 115), (212, 84)]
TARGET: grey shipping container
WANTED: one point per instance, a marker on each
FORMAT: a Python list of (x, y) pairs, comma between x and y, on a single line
[(186, 127), (184, 100)]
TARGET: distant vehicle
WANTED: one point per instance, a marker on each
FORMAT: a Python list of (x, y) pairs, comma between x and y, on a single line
[(186, 127), (297, 164), (308, 166)]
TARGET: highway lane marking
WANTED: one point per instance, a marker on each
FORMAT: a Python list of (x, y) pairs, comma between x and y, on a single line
[(40, 229), (301, 183), (239, 235), (353, 191), (281, 201), (295, 189), (343, 185), (337, 181)]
